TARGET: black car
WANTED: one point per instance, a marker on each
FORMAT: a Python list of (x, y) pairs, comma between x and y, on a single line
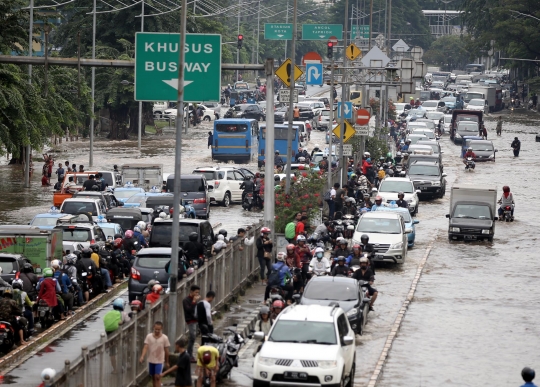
[(280, 115), (428, 178), (306, 113), (149, 264), (247, 110), (347, 292), (11, 264), (161, 234)]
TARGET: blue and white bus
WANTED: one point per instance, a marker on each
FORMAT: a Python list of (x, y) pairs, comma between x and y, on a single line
[(234, 139), (280, 142)]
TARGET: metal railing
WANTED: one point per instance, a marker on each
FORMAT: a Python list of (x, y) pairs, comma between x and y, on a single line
[(113, 360)]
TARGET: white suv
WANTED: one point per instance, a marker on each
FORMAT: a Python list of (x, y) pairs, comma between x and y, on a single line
[(223, 184), (308, 345), (391, 186)]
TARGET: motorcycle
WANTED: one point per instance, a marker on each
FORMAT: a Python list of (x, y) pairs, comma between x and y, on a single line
[(469, 164), (319, 271), (247, 203), (8, 336), (45, 314), (507, 214), (349, 223), (228, 353), (229, 113)]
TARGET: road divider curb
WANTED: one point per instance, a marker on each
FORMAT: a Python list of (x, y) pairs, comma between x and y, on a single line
[(21, 354), (245, 329), (397, 322)]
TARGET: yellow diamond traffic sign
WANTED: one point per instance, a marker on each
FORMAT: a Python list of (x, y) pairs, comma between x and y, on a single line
[(349, 131), (352, 51), (284, 72)]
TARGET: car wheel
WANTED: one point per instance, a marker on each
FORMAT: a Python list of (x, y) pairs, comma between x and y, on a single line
[(207, 118), (226, 200), (350, 383), (131, 297)]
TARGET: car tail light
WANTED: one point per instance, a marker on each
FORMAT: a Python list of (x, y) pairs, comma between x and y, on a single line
[(135, 274), (92, 241), (2, 326), (199, 201), (216, 184)]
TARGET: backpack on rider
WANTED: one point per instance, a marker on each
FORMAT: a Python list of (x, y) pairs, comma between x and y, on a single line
[(290, 231)]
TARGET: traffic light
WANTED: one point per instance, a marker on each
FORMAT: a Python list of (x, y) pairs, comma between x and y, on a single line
[(330, 50), (240, 40)]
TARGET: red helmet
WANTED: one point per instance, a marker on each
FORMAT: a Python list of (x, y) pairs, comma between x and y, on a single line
[(118, 242), (290, 246), (265, 230), (136, 305), (357, 246), (278, 304), (207, 357), (506, 188), (157, 288), (129, 234)]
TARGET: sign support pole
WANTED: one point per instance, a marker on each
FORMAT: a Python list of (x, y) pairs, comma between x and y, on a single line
[(344, 97), (331, 123), (139, 134), (269, 199), (291, 95), (91, 157), (173, 299)]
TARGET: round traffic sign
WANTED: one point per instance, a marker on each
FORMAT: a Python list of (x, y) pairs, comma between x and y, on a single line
[(311, 56), (362, 117), (332, 39)]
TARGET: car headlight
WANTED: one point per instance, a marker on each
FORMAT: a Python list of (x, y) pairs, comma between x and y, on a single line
[(267, 361), (454, 229), (327, 364), (352, 312), (436, 183), (398, 245), (491, 156), (409, 200), (485, 231)]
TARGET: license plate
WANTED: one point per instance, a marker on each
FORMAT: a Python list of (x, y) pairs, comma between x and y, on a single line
[(295, 375), (469, 237), (424, 188), (43, 308)]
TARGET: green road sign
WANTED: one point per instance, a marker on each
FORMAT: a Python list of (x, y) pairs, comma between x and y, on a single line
[(278, 31), (156, 67), (363, 31), (321, 31)]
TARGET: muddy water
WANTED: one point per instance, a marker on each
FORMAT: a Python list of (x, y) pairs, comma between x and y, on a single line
[(473, 321)]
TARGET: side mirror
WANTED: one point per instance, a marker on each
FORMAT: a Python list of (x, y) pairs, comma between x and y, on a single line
[(444, 175), (296, 298), (416, 221), (210, 188), (448, 216), (120, 204), (418, 191), (408, 231), (38, 270), (347, 340), (259, 336), (496, 150)]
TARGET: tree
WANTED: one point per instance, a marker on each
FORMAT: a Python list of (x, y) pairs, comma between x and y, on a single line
[(449, 51)]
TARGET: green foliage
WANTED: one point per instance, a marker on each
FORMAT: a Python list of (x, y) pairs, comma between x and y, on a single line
[(305, 195), (14, 26), (377, 145), (449, 52)]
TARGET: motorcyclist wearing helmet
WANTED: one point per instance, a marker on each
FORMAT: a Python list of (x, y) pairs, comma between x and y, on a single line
[(248, 186), (66, 285), (401, 202), (366, 202), (137, 234), (405, 161), (112, 319), (194, 250), (86, 265), (155, 294), (507, 199), (304, 255), (71, 270), (24, 302), (207, 364), (285, 278), (398, 158), (378, 203), (264, 250), (319, 264), (365, 274), (119, 259), (350, 207), (131, 245), (265, 322), (341, 249), (47, 288), (102, 270), (9, 310), (29, 280), (405, 147), (528, 375), (468, 154), (368, 249), (276, 308), (278, 161), (340, 268), (355, 256), (389, 159), (291, 257), (144, 229), (317, 148)]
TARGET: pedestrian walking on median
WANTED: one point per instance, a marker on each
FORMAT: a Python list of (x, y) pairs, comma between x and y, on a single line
[(499, 126), (210, 139), (157, 346), (190, 314), (264, 253), (182, 367)]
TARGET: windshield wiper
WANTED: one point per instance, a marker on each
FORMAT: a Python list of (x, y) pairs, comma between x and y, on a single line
[(286, 341), (467, 217), (314, 341)]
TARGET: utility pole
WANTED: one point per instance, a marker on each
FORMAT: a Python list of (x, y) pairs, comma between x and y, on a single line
[(139, 136), (331, 123), (287, 21), (238, 33), (258, 29), (370, 22), (30, 50), (291, 104), (344, 98), (173, 299), (388, 42), (91, 159), (269, 199)]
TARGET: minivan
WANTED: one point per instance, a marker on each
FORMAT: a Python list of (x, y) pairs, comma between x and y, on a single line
[(194, 192), (161, 235)]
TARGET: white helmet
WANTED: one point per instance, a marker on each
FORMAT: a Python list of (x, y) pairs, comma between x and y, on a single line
[(281, 256), (55, 263), (220, 237), (364, 260), (302, 159), (319, 250), (48, 374), (341, 240), (141, 225), (367, 154), (317, 146), (300, 238), (163, 215)]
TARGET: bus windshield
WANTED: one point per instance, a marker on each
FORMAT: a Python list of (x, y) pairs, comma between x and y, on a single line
[(279, 133)]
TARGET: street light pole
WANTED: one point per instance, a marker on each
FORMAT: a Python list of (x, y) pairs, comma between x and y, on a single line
[(258, 29), (344, 97), (30, 50), (139, 135), (290, 112), (238, 28), (286, 21), (91, 159)]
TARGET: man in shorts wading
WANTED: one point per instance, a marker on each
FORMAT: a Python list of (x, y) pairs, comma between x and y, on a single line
[(157, 346)]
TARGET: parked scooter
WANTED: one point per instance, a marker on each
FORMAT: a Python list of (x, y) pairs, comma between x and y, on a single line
[(228, 353)]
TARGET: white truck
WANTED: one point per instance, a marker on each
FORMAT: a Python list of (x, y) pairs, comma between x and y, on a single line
[(143, 175), (487, 93), (473, 212)]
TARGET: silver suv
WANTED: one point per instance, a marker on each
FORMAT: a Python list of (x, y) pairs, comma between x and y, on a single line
[(223, 184)]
